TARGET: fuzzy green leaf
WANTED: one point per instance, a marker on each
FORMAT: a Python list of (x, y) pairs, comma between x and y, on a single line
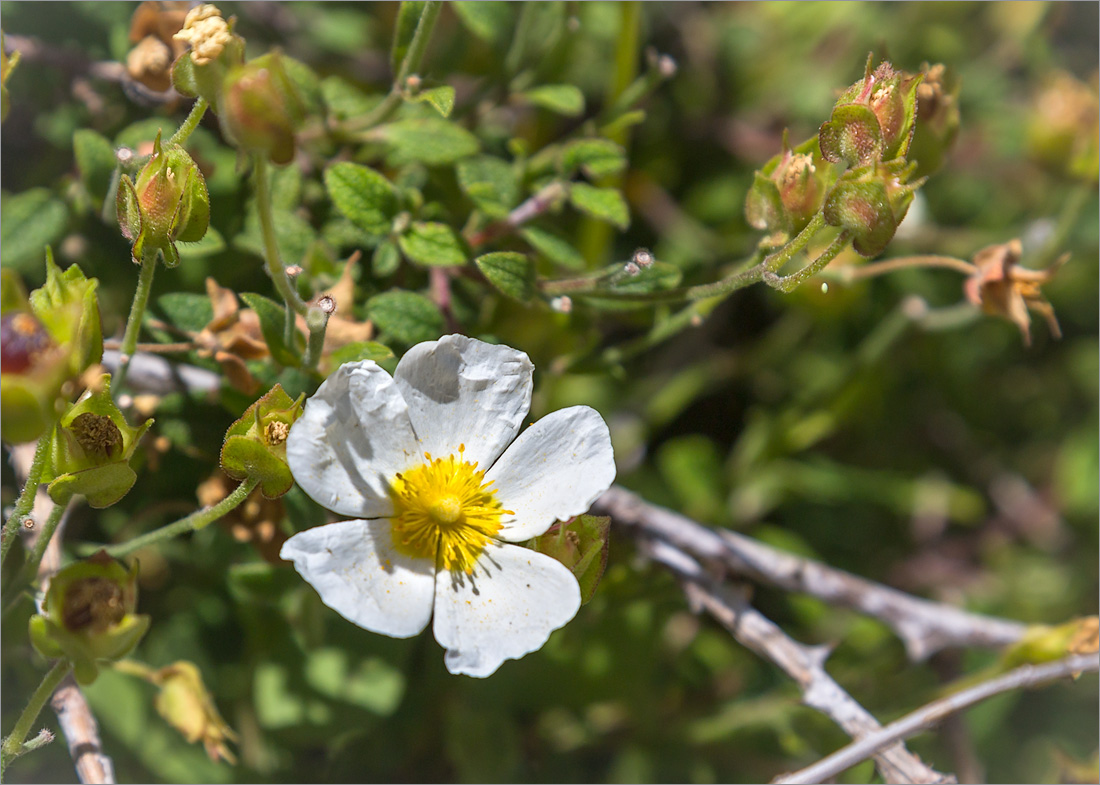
[(363, 195), (405, 316), (429, 140), (607, 204), (187, 311), (95, 158), (272, 320), (441, 98), (595, 157), (512, 273), (385, 260), (490, 182), (565, 99), (28, 222), (433, 244), (556, 249), (489, 21)]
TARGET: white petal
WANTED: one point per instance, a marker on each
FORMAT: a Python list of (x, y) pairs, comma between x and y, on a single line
[(357, 572), (508, 608), (353, 437), (464, 391), (553, 471)]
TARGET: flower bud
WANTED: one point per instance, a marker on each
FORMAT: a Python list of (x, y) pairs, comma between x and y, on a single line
[(788, 191), (581, 545), (1062, 131), (46, 340), (255, 445), (167, 203), (873, 119), (261, 108), (186, 704), (91, 450), (937, 118), (214, 50), (88, 616), (870, 202)]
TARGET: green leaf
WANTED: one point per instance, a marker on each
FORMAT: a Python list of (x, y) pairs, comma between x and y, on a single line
[(293, 235), (385, 260), (489, 21), (406, 316), (430, 140), (344, 100), (28, 223), (564, 99), (187, 311), (408, 16), (272, 323), (596, 157), (211, 243), (554, 248), (512, 273), (95, 158), (363, 195), (358, 351), (607, 204), (442, 98), (659, 276), (433, 244), (490, 182)]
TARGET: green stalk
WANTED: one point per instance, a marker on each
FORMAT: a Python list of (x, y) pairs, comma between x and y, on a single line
[(44, 538), (13, 743), (410, 65), (193, 522), (317, 321), (133, 322), (595, 235), (25, 502), (789, 283), (275, 268), (191, 123)]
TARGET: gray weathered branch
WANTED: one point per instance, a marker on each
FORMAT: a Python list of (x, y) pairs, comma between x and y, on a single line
[(804, 664), (924, 626), (936, 711)]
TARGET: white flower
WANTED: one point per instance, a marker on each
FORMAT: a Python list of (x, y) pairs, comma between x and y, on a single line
[(429, 464)]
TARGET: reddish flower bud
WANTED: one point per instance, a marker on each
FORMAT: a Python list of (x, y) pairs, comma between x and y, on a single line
[(788, 191), (261, 108), (870, 202)]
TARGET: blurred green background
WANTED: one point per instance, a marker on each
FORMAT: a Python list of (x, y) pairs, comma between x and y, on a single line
[(955, 464)]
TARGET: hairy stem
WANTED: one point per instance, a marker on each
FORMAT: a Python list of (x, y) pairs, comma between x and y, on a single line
[(873, 269), (191, 123), (25, 502), (193, 522), (45, 536), (13, 743), (788, 283), (133, 322), (275, 269)]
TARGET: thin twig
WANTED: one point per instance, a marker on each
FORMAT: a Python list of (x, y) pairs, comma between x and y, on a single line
[(927, 716), (82, 734), (804, 664), (923, 626), (533, 207)]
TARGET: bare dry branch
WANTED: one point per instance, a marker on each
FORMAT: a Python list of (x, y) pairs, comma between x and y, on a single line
[(934, 712), (804, 664), (923, 626)]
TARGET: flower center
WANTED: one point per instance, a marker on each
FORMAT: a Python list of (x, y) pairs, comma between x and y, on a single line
[(444, 510)]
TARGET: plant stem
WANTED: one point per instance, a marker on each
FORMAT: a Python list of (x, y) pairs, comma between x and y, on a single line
[(25, 502), (317, 321), (788, 283), (410, 65), (191, 123), (13, 743), (45, 536), (193, 522), (872, 269), (275, 268), (133, 322)]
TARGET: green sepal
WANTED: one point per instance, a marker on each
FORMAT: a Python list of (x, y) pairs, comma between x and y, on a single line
[(67, 306), (88, 615), (852, 136), (261, 108), (91, 450), (255, 445), (870, 202), (582, 546), (763, 205)]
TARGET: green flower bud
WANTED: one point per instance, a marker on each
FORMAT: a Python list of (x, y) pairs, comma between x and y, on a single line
[(870, 202), (873, 119), (788, 191), (185, 703), (581, 545), (255, 445), (1062, 127), (168, 203), (937, 118), (88, 616), (91, 451), (47, 340), (261, 109)]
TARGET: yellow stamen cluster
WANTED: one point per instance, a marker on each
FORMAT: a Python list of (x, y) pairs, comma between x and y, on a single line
[(444, 510), (207, 33)]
